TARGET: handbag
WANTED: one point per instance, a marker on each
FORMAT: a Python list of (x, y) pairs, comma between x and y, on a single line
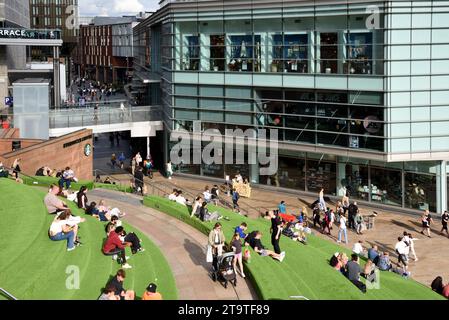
[(209, 257)]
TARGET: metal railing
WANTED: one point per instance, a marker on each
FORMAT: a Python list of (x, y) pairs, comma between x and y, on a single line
[(7, 294), (91, 116)]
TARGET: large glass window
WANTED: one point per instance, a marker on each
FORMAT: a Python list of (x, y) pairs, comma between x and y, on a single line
[(386, 186), (290, 53), (321, 174), (329, 52), (217, 52), (245, 53), (359, 53), (191, 53), (420, 191)]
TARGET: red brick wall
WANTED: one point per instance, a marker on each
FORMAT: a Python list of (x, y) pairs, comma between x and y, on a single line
[(52, 153)]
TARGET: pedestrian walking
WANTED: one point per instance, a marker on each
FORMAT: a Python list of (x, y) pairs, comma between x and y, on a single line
[(342, 229), (444, 222), (426, 221)]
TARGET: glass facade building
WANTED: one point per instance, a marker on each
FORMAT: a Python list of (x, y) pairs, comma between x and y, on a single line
[(358, 90)]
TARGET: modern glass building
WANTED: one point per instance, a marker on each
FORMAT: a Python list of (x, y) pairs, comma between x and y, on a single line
[(358, 90)]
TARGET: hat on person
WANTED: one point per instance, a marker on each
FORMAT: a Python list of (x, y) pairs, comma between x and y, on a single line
[(152, 288)]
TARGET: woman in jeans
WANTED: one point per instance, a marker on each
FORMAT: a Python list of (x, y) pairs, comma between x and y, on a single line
[(342, 229), (60, 230)]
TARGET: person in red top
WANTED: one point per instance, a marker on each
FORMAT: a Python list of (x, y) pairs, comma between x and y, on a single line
[(115, 246)]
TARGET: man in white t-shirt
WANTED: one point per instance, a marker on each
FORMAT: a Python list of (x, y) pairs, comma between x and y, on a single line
[(358, 248), (207, 195), (401, 250), (342, 229)]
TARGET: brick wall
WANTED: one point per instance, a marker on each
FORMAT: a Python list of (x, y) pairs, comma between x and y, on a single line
[(53, 154)]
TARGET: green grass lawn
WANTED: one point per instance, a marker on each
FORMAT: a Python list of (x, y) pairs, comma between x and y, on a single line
[(305, 270), (34, 267)]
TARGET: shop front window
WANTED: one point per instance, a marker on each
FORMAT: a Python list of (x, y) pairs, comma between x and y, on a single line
[(290, 53), (420, 191), (291, 173), (359, 53), (217, 52), (321, 175), (191, 53), (386, 186), (245, 53), (329, 52), (356, 181)]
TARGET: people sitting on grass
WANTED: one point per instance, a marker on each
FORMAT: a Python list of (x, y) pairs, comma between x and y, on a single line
[(282, 207), (369, 271), (373, 254), (180, 198), (62, 229), (109, 293), (439, 287), (53, 204), (131, 238), (205, 215), (114, 246), (172, 196), (215, 192), (151, 293), (358, 248), (254, 240), (117, 283), (236, 247), (3, 172), (384, 264), (207, 195), (81, 197), (196, 207), (291, 232), (353, 271), (68, 176)]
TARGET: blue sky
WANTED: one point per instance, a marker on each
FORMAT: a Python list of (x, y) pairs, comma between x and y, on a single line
[(115, 7)]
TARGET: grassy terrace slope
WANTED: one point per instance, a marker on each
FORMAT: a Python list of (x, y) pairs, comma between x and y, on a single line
[(33, 267), (305, 270)]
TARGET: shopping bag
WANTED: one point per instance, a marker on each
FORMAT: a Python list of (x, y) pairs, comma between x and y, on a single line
[(209, 257)]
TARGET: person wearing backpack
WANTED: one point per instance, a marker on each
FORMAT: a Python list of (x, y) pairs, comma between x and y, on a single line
[(326, 223)]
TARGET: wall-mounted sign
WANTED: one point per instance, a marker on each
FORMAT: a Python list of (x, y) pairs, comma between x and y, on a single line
[(8, 101), (29, 34), (87, 150)]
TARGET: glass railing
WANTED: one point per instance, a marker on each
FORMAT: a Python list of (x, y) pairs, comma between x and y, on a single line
[(90, 116)]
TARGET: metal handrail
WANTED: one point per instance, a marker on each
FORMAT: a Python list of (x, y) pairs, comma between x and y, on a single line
[(7, 294)]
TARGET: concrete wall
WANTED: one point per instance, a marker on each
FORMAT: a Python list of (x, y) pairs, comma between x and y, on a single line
[(53, 154)]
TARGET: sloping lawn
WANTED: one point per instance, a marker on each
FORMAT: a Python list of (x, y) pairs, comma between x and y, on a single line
[(305, 270), (34, 267)]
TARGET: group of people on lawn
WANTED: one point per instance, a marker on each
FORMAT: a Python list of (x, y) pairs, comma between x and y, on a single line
[(65, 226)]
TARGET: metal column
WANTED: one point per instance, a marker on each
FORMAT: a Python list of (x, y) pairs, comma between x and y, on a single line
[(56, 82), (442, 187)]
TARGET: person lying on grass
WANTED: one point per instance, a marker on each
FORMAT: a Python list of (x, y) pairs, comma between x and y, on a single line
[(254, 240), (117, 283)]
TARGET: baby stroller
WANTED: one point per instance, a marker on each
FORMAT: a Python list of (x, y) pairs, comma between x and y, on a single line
[(223, 270)]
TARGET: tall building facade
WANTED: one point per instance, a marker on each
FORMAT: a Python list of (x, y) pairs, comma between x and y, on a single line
[(13, 14), (56, 14), (105, 52), (358, 91)]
